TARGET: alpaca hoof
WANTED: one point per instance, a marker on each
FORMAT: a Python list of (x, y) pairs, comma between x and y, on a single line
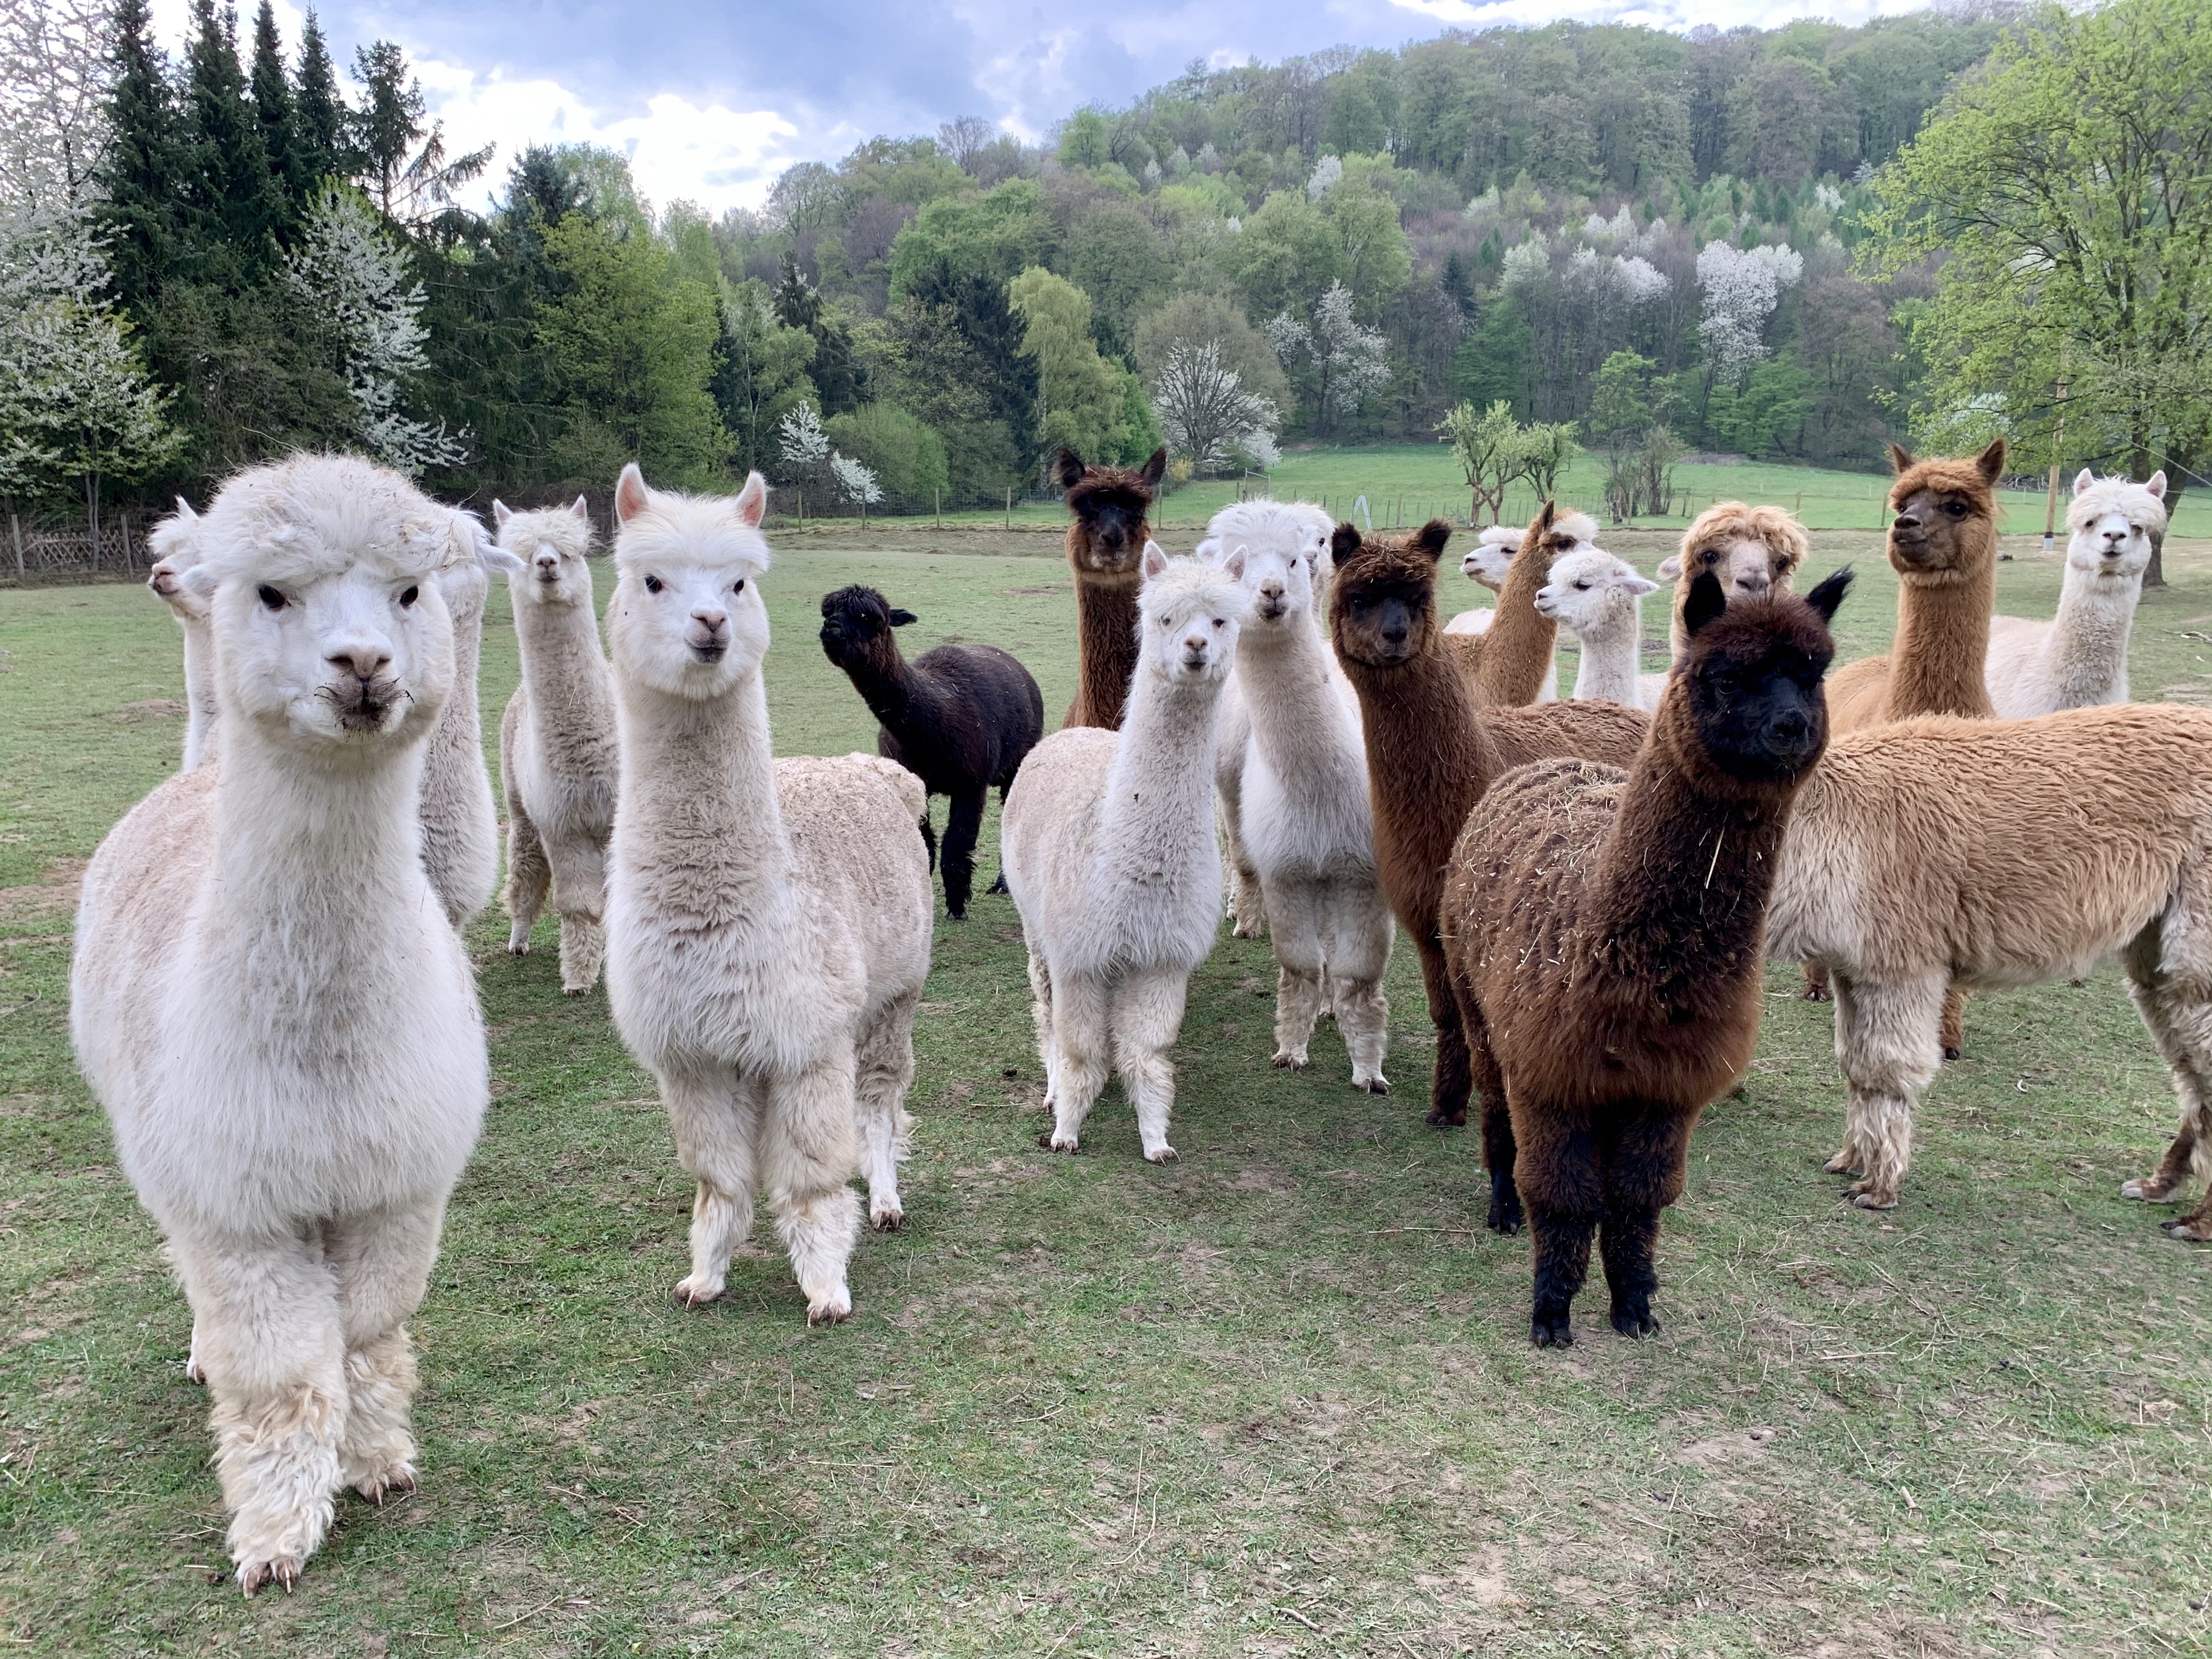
[(1052, 1141), (886, 1219), (575, 990), (1817, 994), (834, 1311), (956, 916), (694, 1293), (1289, 1063), (518, 947), (1950, 1053), (1504, 1218), (281, 1570), (1245, 931), (1843, 1163), (1161, 1155), (1867, 1198), (1373, 1085), (998, 886), (1456, 1119), (2149, 1189), (194, 1371), (1552, 1331), (1638, 1322), (396, 1481)]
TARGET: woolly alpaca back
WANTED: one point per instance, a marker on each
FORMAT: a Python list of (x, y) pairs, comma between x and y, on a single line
[(1105, 549)]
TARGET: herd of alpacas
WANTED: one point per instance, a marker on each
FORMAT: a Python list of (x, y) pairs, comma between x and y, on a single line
[(271, 999)]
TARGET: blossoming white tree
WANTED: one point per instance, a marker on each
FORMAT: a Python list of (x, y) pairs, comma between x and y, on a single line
[(1348, 363), (351, 273), (1741, 288)]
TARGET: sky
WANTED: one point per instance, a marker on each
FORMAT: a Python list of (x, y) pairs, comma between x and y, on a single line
[(710, 100)]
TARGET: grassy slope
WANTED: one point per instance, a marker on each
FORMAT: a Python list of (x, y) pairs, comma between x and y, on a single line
[(1409, 483), (1275, 1399)]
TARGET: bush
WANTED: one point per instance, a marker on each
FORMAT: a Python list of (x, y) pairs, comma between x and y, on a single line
[(907, 457)]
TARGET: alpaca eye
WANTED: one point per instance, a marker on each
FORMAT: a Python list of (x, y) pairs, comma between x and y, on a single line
[(407, 596), (1956, 509), (271, 597), (740, 586), (653, 584), (1581, 587)]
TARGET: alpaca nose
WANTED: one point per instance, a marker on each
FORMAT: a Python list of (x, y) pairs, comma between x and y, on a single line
[(1791, 725), (363, 659), (2114, 540), (548, 564), (1908, 521), (712, 621), (1754, 582), (1194, 646)]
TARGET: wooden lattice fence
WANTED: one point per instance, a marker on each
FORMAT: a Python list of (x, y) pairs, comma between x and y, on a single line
[(32, 553)]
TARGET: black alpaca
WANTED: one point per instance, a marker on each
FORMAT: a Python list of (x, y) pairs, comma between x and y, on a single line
[(960, 718)]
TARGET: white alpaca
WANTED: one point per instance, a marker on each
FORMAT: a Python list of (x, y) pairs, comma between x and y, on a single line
[(557, 743), (460, 826), (1292, 532), (175, 544), (768, 922), (1108, 848), (1485, 564), (268, 1002), (1598, 599), (2080, 657), (1307, 826)]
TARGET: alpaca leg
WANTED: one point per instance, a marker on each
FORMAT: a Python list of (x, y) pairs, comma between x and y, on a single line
[(1041, 1016), (1079, 1005), (1247, 908), (1147, 1014), (1953, 1029), (714, 1115), (1499, 1151), (1886, 1045), (2174, 998), (528, 875), (1556, 1173), (1357, 947), (383, 1264), (580, 890), (1294, 924), (1000, 886), (808, 1155), (928, 838), (265, 1317), (884, 1071), (962, 825), (1642, 1175), (1816, 982), (1450, 1081)]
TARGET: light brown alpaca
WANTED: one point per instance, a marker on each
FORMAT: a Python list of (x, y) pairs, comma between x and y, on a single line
[(1752, 552), (1943, 546), (1505, 665), (1106, 551)]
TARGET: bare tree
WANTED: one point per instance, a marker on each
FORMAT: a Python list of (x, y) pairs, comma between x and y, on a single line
[(965, 138)]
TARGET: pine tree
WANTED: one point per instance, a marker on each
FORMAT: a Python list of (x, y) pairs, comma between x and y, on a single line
[(319, 113), (389, 121), (230, 199), (138, 172), (272, 103)]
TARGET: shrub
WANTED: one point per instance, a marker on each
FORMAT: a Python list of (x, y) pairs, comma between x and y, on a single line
[(907, 457)]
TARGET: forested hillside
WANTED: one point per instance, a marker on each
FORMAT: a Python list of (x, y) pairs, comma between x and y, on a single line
[(1648, 235)]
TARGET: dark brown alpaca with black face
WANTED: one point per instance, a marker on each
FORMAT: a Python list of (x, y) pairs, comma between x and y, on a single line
[(1432, 751), (1106, 551), (1604, 931)]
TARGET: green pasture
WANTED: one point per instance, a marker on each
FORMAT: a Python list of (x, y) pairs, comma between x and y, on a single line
[(1276, 1399), (1408, 483)]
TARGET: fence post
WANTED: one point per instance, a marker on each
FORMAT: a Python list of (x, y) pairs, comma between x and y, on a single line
[(940, 509), (15, 531), (124, 515), (798, 498), (1010, 506)]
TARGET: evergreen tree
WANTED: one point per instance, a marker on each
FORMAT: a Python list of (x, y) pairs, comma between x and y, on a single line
[(231, 202), (272, 103), (138, 168), (319, 113), (389, 121)]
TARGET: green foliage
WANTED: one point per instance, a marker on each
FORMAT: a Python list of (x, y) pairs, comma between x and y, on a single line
[(760, 375), (632, 351), (1193, 320), (1086, 141), (907, 457), (1080, 397), (1493, 449)]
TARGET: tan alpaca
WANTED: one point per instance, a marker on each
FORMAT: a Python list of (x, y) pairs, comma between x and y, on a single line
[(1752, 552), (2003, 852), (1506, 665)]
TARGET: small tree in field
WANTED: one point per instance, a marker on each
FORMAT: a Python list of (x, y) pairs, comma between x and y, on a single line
[(1491, 449), (1549, 450), (1204, 412)]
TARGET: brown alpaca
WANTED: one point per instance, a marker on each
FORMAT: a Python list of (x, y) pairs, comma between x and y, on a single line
[(1604, 931), (1506, 665), (1943, 546), (1106, 551), (1432, 751)]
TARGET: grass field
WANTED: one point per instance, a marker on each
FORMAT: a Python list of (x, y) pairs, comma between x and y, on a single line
[(1406, 483), (1276, 1399)]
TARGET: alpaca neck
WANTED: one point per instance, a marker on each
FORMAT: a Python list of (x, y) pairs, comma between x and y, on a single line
[(1943, 644), (1298, 723), (1160, 790), (1609, 667), (563, 666), (2085, 652), (461, 713), (1517, 647), (890, 689), (1106, 625), (698, 795), (1689, 864), (199, 692)]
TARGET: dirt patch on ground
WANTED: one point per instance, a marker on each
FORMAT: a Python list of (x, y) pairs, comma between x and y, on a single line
[(154, 709), (54, 894)]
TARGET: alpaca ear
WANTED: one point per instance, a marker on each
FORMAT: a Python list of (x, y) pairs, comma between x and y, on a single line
[(1990, 462), (1670, 567), (1829, 595), (1155, 468), (1233, 565), (2084, 478), (1069, 468), (1430, 539), (581, 508), (1706, 601), (1638, 587), (1155, 560), (1544, 520), (185, 507), (900, 618), (1900, 460), (1343, 542), (501, 513), (2156, 485), (631, 496), (753, 500)]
